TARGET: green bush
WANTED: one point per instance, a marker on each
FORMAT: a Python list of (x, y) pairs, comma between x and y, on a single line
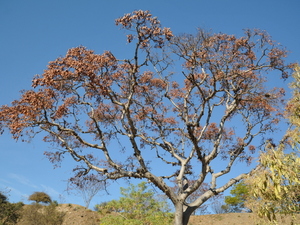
[(10, 213), (138, 206)]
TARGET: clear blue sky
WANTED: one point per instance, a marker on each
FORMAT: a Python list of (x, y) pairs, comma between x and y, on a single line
[(34, 32)]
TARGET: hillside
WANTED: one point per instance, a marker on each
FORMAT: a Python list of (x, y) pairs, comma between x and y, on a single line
[(78, 215)]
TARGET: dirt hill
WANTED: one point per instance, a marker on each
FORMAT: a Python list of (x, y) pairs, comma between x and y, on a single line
[(79, 215), (237, 219)]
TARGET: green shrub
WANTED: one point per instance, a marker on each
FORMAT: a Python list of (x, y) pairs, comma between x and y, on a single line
[(10, 213), (138, 206)]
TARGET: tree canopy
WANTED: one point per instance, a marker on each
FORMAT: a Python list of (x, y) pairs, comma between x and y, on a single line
[(40, 197), (179, 103), (239, 194)]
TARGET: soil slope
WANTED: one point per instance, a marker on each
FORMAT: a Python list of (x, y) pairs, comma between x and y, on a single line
[(79, 215)]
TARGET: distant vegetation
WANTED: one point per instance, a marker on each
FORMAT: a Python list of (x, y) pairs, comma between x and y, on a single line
[(34, 214), (37, 214), (9, 212), (137, 206), (236, 202), (40, 197)]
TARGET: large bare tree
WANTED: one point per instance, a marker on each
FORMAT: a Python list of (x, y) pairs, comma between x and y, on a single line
[(180, 104)]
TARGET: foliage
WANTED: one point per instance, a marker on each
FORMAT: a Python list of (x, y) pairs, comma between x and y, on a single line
[(120, 116), (37, 214), (276, 188), (293, 109), (137, 206), (9, 212), (40, 197), (87, 186), (236, 202), (3, 198)]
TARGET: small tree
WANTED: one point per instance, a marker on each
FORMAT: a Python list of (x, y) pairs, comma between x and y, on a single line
[(218, 207), (40, 197), (236, 202), (137, 206), (87, 186)]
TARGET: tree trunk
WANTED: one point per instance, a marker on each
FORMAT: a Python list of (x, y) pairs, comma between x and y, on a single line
[(182, 214), (178, 214)]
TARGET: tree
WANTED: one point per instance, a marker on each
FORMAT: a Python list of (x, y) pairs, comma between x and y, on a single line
[(87, 186), (236, 202), (10, 213), (128, 118), (40, 197), (218, 207), (276, 187), (137, 206)]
